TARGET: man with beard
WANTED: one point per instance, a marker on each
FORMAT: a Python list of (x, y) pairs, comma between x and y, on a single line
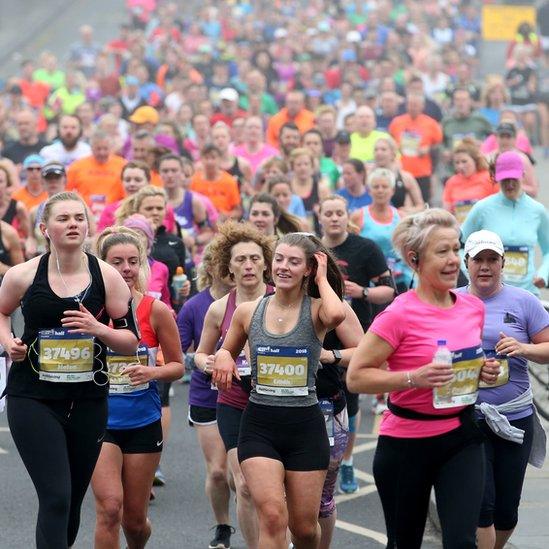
[(289, 138), (68, 147)]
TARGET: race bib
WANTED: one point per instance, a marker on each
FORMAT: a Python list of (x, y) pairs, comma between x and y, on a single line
[(463, 389), (516, 263), (243, 366), (97, 204), (119, 383), (503, 376), (462, 209), (327, 409), (65, 357), (282, 371), (410, 143)]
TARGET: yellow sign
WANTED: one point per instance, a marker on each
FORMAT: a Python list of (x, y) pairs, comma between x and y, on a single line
[(500, 23)]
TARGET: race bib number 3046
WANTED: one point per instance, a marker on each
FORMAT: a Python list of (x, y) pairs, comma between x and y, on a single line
[(65, 357), (463, 389), (282, 371)]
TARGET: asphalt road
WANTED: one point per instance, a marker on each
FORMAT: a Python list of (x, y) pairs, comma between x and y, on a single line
[(180, 515)]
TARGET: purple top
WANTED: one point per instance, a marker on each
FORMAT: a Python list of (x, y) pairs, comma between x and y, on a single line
[(519, 314), (190, 321)]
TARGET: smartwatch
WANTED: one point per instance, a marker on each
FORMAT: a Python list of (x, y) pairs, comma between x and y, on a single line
[(337, 356), (365, 292)]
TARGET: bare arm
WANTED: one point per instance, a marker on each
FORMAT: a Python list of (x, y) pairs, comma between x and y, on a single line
[(331, 311), (413, 201), (536, 351), (164, 325), (349, 332), (23, 218), (365, 375), (211, 332), (116, 304)]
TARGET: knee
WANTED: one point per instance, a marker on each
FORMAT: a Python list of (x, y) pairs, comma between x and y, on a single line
[(305, 531), (109, 511), (272, 516), (134, 523), (217, 476)]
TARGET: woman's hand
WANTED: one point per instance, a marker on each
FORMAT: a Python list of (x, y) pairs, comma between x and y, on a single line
[(139, 374), (16, 349), (224, 368), (490, 371), (539, 282), (431, 375), (321, 266), (354, 290), (209, 366), (509, 346), (185, 289), (81, 321)]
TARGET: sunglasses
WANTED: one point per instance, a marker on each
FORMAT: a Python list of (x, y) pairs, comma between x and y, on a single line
[(34, 169)]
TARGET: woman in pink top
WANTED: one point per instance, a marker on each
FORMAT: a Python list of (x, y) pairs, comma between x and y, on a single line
[(420, 446), (254, 149)]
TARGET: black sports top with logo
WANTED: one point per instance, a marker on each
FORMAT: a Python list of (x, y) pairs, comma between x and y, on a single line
[(59, 365)]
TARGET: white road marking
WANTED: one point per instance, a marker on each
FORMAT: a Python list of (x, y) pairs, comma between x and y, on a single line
[(4, 429), (362, 475), (2, 451), (361, 531), (364, 447), (342, 498)]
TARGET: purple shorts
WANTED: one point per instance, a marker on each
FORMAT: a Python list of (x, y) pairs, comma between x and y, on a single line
[(341, 436)]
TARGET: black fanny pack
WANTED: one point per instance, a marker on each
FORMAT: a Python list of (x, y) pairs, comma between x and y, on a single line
[(464, 415)]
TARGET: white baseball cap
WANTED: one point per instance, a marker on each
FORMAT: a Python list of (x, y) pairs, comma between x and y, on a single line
[(229, 94), (483, 240)]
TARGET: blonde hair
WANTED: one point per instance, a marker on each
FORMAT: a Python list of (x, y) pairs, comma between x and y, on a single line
[(413, 232), (381, 173), (66, 196), (205, 277), (301, 151), (131, 205), (113, 236)]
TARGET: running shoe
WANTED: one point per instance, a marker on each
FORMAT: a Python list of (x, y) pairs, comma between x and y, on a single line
[(347, 481), (159, 478), (222, 539)]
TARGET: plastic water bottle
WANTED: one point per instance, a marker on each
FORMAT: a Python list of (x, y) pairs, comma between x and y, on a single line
[(443, 355), (179, 278)]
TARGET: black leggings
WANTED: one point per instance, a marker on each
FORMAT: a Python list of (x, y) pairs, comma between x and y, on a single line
[(59, 442), (405, 470), (506, 463)]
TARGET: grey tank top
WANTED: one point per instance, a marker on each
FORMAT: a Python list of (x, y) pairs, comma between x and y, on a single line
[(284, 366)]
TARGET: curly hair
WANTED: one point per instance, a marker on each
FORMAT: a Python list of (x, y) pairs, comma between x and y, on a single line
[(229, 235)]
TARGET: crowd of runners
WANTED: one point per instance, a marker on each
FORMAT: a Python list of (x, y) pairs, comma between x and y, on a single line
[(285, 205)]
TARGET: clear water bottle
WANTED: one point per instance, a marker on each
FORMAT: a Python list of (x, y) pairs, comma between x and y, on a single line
[(442, 395), (179, 278)]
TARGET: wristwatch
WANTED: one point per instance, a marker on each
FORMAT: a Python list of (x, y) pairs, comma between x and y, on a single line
[(337, 356), (365, 292)]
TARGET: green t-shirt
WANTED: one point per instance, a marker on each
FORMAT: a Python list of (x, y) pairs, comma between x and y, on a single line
[(53, 80), (329, 169), (268, 104)]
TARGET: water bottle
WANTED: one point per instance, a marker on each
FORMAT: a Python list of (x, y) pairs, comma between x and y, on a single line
[(442, 395), (179, 278)]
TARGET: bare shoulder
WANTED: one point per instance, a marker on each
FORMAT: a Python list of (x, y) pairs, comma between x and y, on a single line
[(19, 277)]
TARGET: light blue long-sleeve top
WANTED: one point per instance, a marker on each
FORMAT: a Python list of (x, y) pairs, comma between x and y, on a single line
[(522, 225)]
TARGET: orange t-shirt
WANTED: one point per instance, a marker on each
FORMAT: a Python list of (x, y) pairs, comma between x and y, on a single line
[(98, 184), (28, 199), (411, 134), (461, 193), (156, 180), (223, 191), (304, 120)]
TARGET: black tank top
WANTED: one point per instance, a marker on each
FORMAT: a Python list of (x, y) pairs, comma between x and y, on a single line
[(400, 192), (4, 254), (329, 377), (43, 310), (11, 212), (310, 202)]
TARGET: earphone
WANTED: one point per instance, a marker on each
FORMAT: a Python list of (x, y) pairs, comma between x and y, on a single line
[(414, 259), (46, 233)]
